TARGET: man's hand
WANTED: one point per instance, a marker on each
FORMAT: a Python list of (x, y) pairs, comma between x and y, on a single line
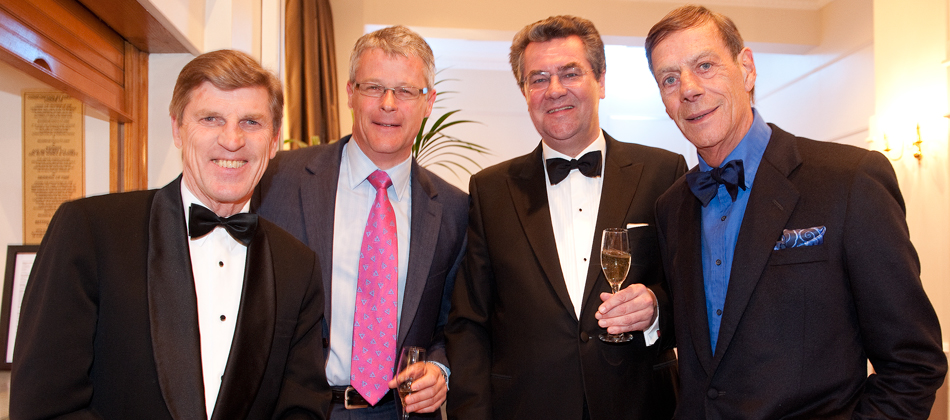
[(428, 387), (631, 309)]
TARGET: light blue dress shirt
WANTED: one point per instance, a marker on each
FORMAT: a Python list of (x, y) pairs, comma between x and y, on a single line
[(721, 220)]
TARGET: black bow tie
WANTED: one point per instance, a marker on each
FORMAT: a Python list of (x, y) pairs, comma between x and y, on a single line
[(558, 168), (705, 184), (240, 226)]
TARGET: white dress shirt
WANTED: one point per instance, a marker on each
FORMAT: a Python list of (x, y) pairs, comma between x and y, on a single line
[(217, 262), (574, 203), (354, 198)]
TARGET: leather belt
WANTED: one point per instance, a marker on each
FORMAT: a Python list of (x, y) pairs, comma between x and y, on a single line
[(351, 398)]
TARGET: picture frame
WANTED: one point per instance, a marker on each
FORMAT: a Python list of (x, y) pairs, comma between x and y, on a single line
[(19, 264)]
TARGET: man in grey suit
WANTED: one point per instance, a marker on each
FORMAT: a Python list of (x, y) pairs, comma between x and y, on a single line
[(324, 196)]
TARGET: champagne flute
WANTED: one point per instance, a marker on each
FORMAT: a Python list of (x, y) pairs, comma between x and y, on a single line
[(615, 260), (409, 358)]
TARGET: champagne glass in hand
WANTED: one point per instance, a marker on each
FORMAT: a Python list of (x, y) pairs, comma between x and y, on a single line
[(411, 359), (615, 260)]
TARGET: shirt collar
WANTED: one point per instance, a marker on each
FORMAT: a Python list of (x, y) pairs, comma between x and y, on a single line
[(750, 149), (599, 144), (360, 167)]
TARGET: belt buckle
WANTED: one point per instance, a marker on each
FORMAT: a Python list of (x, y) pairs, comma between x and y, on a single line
[(346, 399)]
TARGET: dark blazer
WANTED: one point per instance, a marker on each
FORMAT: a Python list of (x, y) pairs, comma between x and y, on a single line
[(109, 323), (799, 324), (298, 192), (518, 350)]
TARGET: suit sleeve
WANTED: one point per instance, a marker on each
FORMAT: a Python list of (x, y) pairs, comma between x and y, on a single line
[(55, 339), (304, 392), (468, 332), (898, 325)]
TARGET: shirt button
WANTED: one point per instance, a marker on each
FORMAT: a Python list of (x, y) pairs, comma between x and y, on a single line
[(718, 262), (723, 218), (718, 311), (223, 317), (585, 259), (220, 263), (580, 209)]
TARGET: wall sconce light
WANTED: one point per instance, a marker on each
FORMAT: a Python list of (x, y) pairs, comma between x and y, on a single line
[(887, 150), (919, 154)]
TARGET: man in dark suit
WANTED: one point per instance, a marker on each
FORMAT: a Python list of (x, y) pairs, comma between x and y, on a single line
[(530, 299), (789, 259), (126, 317), (326, 196)]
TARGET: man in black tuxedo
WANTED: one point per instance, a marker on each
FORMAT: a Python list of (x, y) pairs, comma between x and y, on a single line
[(324, 196), (177, 303), (789, 259), (530, 299)]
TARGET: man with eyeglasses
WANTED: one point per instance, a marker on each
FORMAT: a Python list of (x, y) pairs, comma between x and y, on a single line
[(530, 299), (390, 234)]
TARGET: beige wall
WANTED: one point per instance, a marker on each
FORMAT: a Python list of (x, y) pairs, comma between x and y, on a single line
[(911, 88)]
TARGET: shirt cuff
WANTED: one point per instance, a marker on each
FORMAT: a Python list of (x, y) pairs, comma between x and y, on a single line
[(446, 372), (650, 335)]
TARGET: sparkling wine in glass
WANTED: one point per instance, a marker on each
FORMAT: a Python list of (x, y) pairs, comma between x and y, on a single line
[(410, 359), (615, 260)]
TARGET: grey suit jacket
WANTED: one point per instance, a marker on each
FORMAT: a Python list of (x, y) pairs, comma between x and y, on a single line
[(298, 193)]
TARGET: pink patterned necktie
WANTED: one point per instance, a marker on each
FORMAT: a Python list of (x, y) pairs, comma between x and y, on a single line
[(374, 324)]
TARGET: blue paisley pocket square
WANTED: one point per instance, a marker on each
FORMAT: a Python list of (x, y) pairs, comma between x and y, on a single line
[(793, 238)]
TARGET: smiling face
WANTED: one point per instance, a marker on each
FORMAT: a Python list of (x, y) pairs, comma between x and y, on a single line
[(386, 127), (226, 140), (705, 89), (566, 118)]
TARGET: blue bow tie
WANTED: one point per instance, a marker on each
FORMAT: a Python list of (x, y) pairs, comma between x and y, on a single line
[(705, 185)]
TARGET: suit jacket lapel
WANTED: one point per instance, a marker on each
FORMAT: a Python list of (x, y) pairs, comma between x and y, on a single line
[(621, 177), (173, 306), (771, 203), (318, 199), (253, 334), (530, 198), (688, 241), (424, 233)]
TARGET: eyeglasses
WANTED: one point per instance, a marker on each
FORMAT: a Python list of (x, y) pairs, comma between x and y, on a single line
[(569, 77), (403, 93)]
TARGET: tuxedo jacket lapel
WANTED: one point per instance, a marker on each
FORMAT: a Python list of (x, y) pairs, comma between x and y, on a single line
[(772, 200), (530, 198), (173, 307), (318, 199), (424, 233), (253, 334), (621, 177)]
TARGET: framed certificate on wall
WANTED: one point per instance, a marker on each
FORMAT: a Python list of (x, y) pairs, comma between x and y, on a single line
[(19, 264)]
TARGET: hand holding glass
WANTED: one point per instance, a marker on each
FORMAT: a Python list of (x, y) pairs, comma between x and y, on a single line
[(410, 359), (615, 260)]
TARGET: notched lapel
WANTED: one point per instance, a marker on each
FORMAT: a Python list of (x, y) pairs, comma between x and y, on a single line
[(424, 234), (318, 206), (771, 204), (253, 334), (530, 198), (173, 307), (688, 257)]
